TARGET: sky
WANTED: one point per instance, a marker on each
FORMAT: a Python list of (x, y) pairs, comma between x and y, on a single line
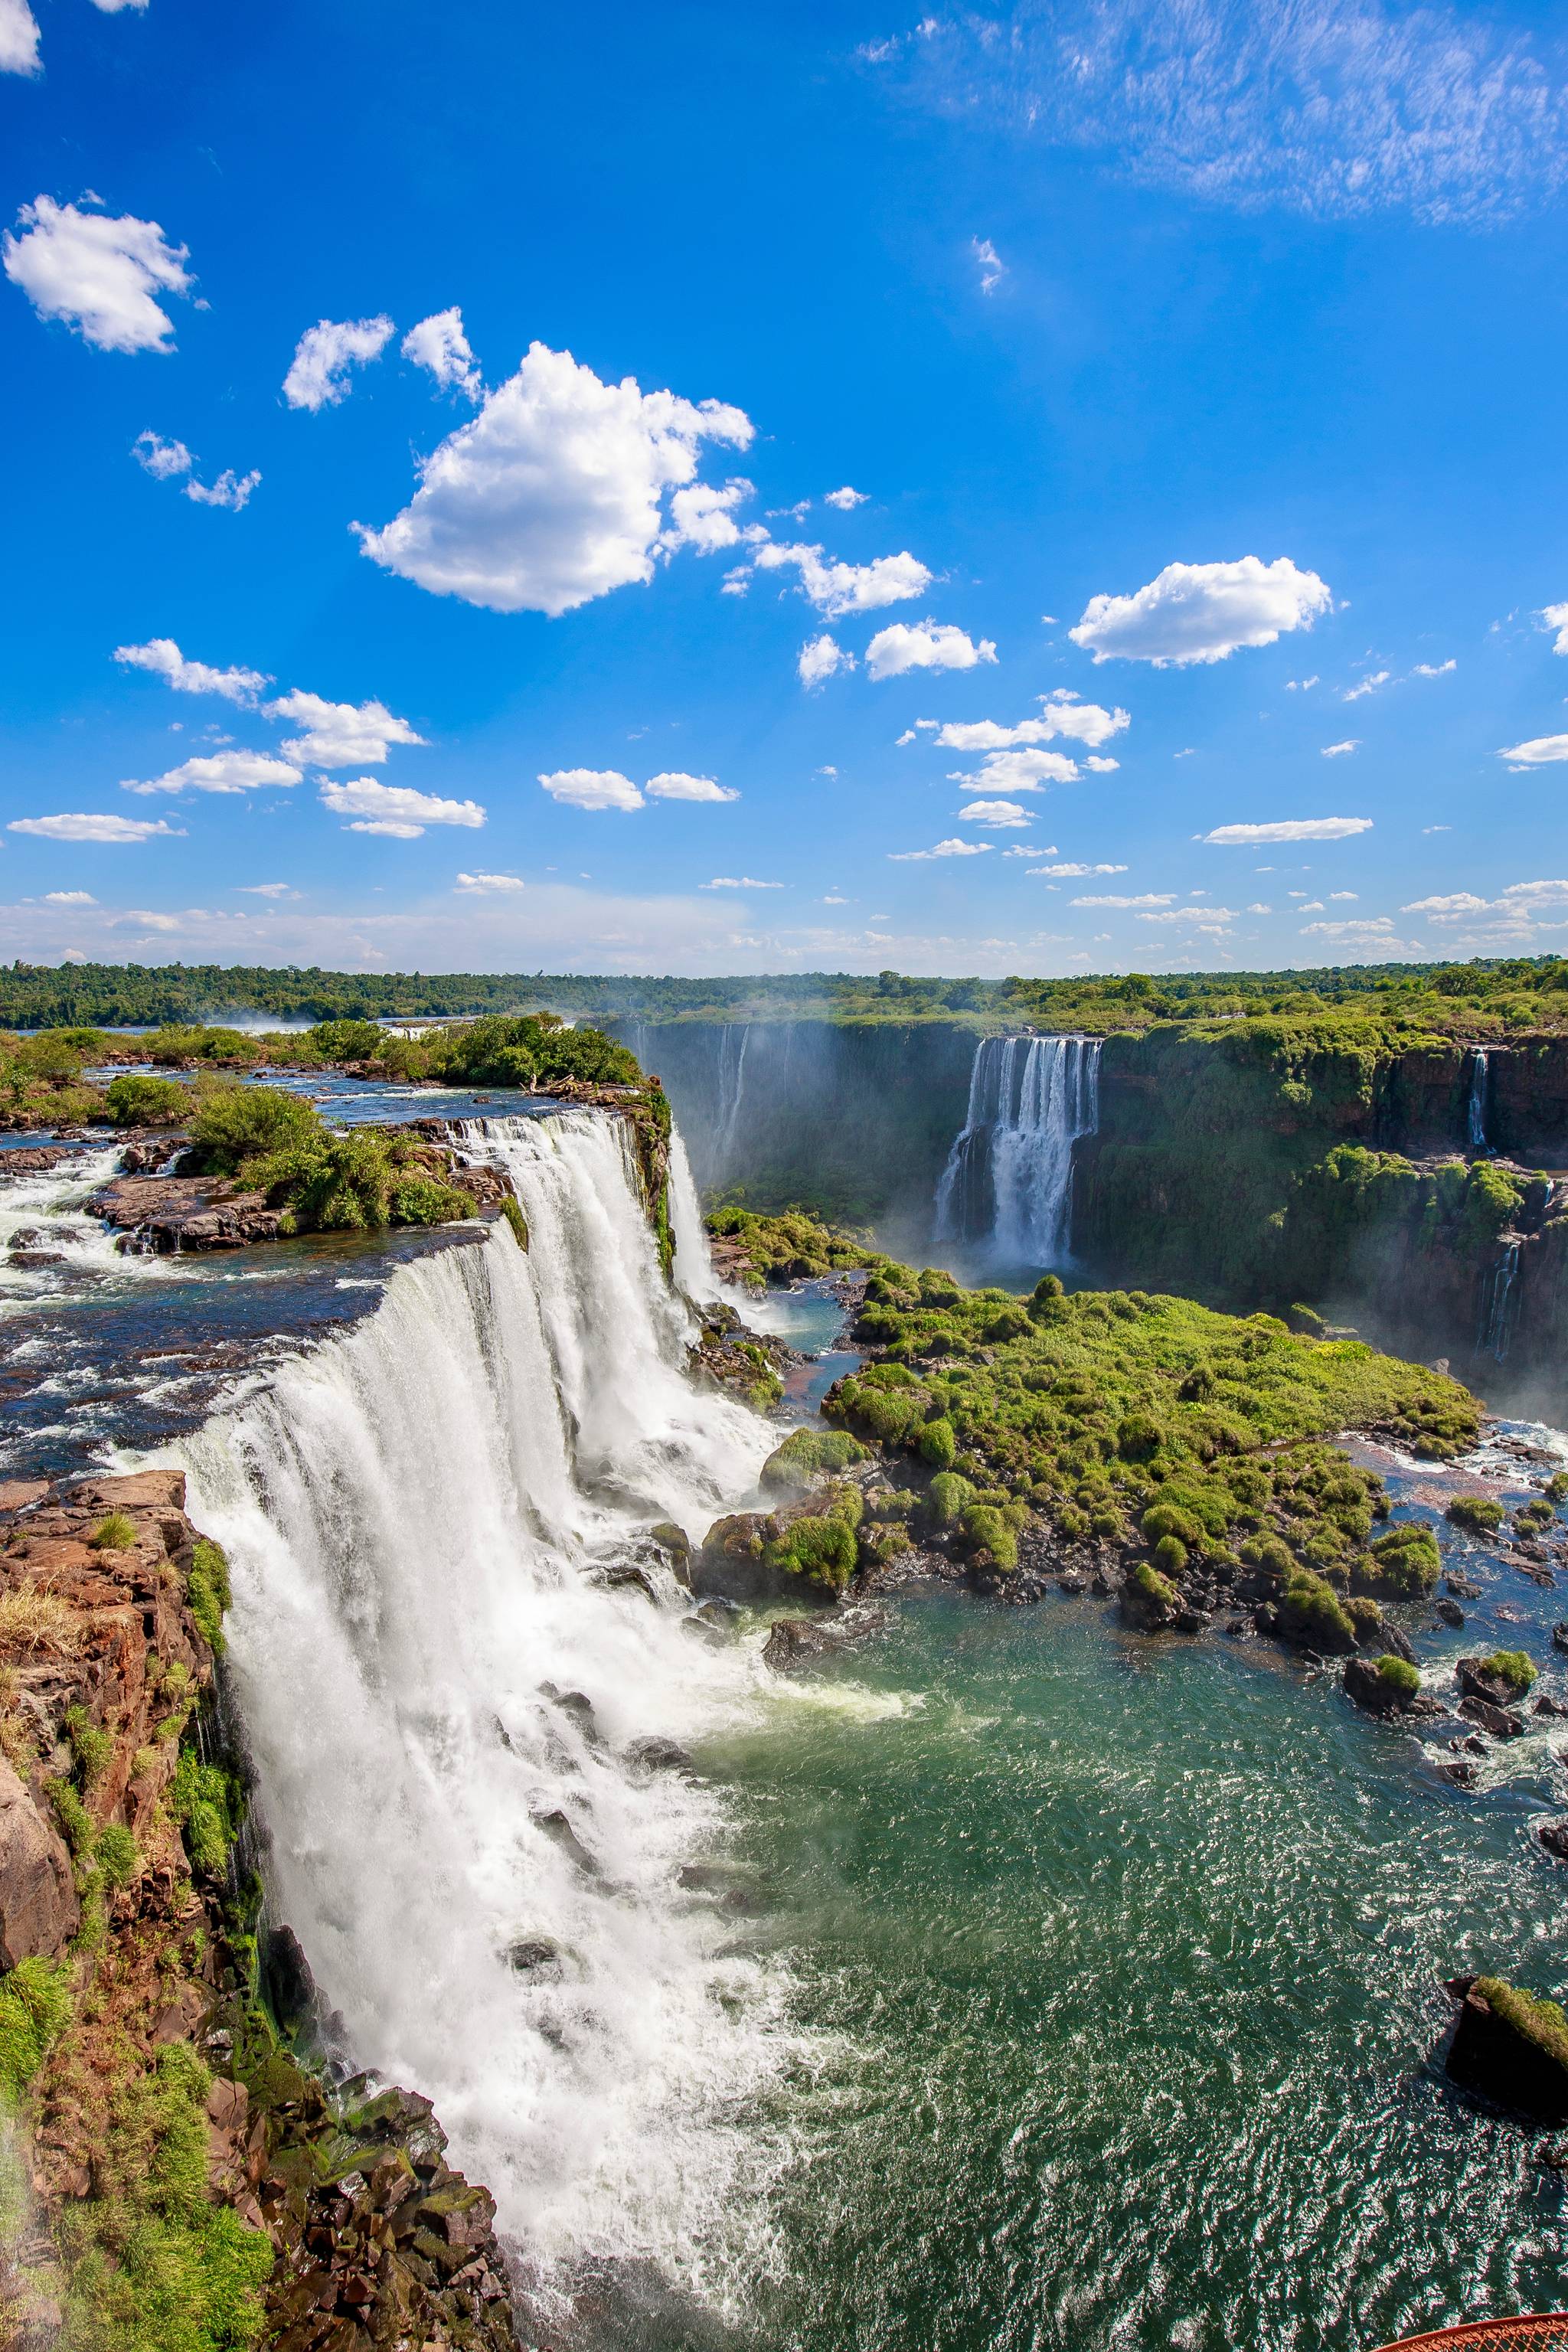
[(1035, 488)]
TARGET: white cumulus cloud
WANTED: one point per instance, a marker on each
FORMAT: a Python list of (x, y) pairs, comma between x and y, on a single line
[(1368, 686), (1555, 617), (230, 490), (952, 849), (554, 493), (163, 656), (69, 899), (1201, 611), (1146, 899), (318, 375), (703, 517), (738, 882), (167, 460), (18, 39), (439, 344), (674, 784), (99, 275), (1293, 828), (1539, 752), (482, 886), (1020, 772), (1071, 872), (925, 644), (836, 588), (820, 659), (222, 771), (844, 498), (591, 788), (1338, 750), (394, 810), (339, 734), (116, 829), (995, 813)]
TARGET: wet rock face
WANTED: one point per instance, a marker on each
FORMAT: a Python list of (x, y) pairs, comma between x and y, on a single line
[(1491, 2054)]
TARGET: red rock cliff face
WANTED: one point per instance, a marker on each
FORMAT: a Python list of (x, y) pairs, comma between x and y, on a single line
[(109, 1870)]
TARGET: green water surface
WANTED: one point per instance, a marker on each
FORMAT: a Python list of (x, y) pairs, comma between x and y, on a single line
[(1125, 1956)]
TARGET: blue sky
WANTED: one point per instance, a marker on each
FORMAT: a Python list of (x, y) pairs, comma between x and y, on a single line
[(1192, 398)]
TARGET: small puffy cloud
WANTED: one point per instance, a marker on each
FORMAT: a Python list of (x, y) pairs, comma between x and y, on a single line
[(952, 849), (925, 644), (318, 376), (339, 734), (837, 589), (1368, 686), (1552, 893), (989, 262), (674, 784), (1539, 752), (738, 882), (1102, 767), (1259, 907), (1343, 894), (1147, 899), (117, 829), (222, 771), (703, 517), (69, 899), (995, 813), (1372, 931), (163, 656), (1555, 617), (1441, 669), (482, 886), (1338, 750), (96, 274), (554, 493), (1294, 828), (18, 39), (1201, 918), (844, 499), (230, 490), (439, 344), (591, 788), (1088, 722), (162, 459), (1310, 907), (1201, 611), (394, 810), (1300, 684), (821, 659), (1020, 772), (1072, 872), (1455, 904)]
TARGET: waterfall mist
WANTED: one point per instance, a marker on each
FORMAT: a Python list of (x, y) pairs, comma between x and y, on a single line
[(447, 1639), (1007, 1184)]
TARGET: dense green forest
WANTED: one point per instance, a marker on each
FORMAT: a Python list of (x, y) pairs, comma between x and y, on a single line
[(1471, 999)]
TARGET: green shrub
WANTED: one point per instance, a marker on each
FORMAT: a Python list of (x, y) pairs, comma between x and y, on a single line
[(1109, 1526), (822, 1549), (207, 1593), (1267, 1552), (1512, 1667), (1478, 1515), (985, 1529), (426, 1201), (118, 1855), (950, 1496), (35, 2010), (90, 1744), (135, 1100), (1138, 1435), (1530, 1517), (207, 1804), (512, 1209), (1399, 1674), (1404, 1564), (808, 1453), (72, 1815), (1163, 1519), (1556, 1489), (1011, 1324), (938, 1443), (1365, 1614), (235, 1124), (1158, 1588), (347, 1041), (114, 1532), (1171, 1555)]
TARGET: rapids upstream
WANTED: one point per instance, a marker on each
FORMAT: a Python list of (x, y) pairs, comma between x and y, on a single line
[(1013, 1981)]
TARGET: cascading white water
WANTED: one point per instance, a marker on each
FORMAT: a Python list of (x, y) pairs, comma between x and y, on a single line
[(52, 1204), (1499, 1304), (732, 1077), (1477, 1102), (1008, 1178), (425, 1516)]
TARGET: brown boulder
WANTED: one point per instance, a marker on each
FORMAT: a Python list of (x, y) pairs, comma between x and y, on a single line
[(38, 1909)]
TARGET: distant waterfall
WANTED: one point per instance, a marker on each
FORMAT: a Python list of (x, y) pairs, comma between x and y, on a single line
[(449, 1632), (1499, 1304), (1008, 1178), (733, 1042), (1478, 1103)]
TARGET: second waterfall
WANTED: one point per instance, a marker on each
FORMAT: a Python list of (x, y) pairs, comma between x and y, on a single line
[(1007, 1184)]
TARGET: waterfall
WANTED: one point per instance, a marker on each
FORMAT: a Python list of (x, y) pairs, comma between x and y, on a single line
[(1499, 1303), (449, 1634), (1478, 1103), (731, 1075), (1008, 1178)]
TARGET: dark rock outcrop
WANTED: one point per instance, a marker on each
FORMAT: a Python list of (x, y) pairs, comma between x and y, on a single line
[(1501, 2051)]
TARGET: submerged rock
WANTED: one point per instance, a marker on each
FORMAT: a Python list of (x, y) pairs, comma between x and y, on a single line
[(1450, 1612), (1498, 1720)]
